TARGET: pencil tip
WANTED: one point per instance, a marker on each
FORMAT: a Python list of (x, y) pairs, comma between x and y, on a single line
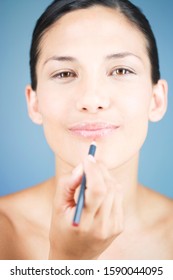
[(75, 224)]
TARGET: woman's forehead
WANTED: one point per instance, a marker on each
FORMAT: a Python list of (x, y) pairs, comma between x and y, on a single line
[(95, 27)]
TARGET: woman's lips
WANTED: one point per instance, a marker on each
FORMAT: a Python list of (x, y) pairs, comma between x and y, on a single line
[(93, 130)]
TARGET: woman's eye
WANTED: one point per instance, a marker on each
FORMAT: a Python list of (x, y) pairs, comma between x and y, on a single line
[(64, 75), (121, 72)]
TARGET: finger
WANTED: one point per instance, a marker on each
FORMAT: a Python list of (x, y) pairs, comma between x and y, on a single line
[(113, 199), (117, 209), (107, 174), (104, 212), (95, 188), (67, 186), (105, 208), (109, 216)]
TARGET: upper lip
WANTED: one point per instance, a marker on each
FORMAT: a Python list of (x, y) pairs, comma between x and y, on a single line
[(93, 126)]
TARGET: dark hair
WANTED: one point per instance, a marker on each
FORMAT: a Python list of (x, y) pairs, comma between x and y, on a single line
[(59, 8)]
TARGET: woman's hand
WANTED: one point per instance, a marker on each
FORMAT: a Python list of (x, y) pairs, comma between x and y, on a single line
[(102, 215)]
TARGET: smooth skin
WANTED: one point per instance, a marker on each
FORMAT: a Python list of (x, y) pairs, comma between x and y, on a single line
[(98, 74)]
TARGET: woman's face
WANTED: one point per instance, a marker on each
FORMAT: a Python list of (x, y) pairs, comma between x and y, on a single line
[(94, 83)]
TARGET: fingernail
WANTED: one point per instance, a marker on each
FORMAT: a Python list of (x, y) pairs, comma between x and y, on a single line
[(91, 158), (77, 171)]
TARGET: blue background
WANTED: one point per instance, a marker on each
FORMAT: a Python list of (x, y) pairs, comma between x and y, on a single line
[(25, 158)]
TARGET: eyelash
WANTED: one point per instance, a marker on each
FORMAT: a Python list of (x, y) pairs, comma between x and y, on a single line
[(69, 74), (122, 71)]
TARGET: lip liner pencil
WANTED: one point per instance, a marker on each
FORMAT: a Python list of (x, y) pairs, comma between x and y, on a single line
[(80, 202)]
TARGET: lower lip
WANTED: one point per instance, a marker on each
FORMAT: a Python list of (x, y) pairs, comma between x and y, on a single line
[(94, 134)]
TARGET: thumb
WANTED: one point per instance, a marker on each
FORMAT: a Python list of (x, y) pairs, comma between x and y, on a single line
[(67, 186)]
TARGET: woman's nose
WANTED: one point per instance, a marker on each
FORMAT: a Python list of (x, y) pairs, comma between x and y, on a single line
[(93, 100)]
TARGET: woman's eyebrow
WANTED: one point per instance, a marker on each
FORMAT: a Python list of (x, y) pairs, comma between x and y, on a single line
[(121, 55), (73, 59), (60, 58)]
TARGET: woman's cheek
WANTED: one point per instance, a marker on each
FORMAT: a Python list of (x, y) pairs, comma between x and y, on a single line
[(53, 114), (137, 122)]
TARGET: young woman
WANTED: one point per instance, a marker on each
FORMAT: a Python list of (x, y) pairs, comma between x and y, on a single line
[(94, 76)]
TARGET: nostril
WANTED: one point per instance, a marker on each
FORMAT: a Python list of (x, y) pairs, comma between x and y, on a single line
[(98, 108)]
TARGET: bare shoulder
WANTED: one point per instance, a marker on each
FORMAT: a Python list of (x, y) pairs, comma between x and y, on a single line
[(161, 206), (165, 225), (6, 235), (21, 214), (167, 219), (159, 212)]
